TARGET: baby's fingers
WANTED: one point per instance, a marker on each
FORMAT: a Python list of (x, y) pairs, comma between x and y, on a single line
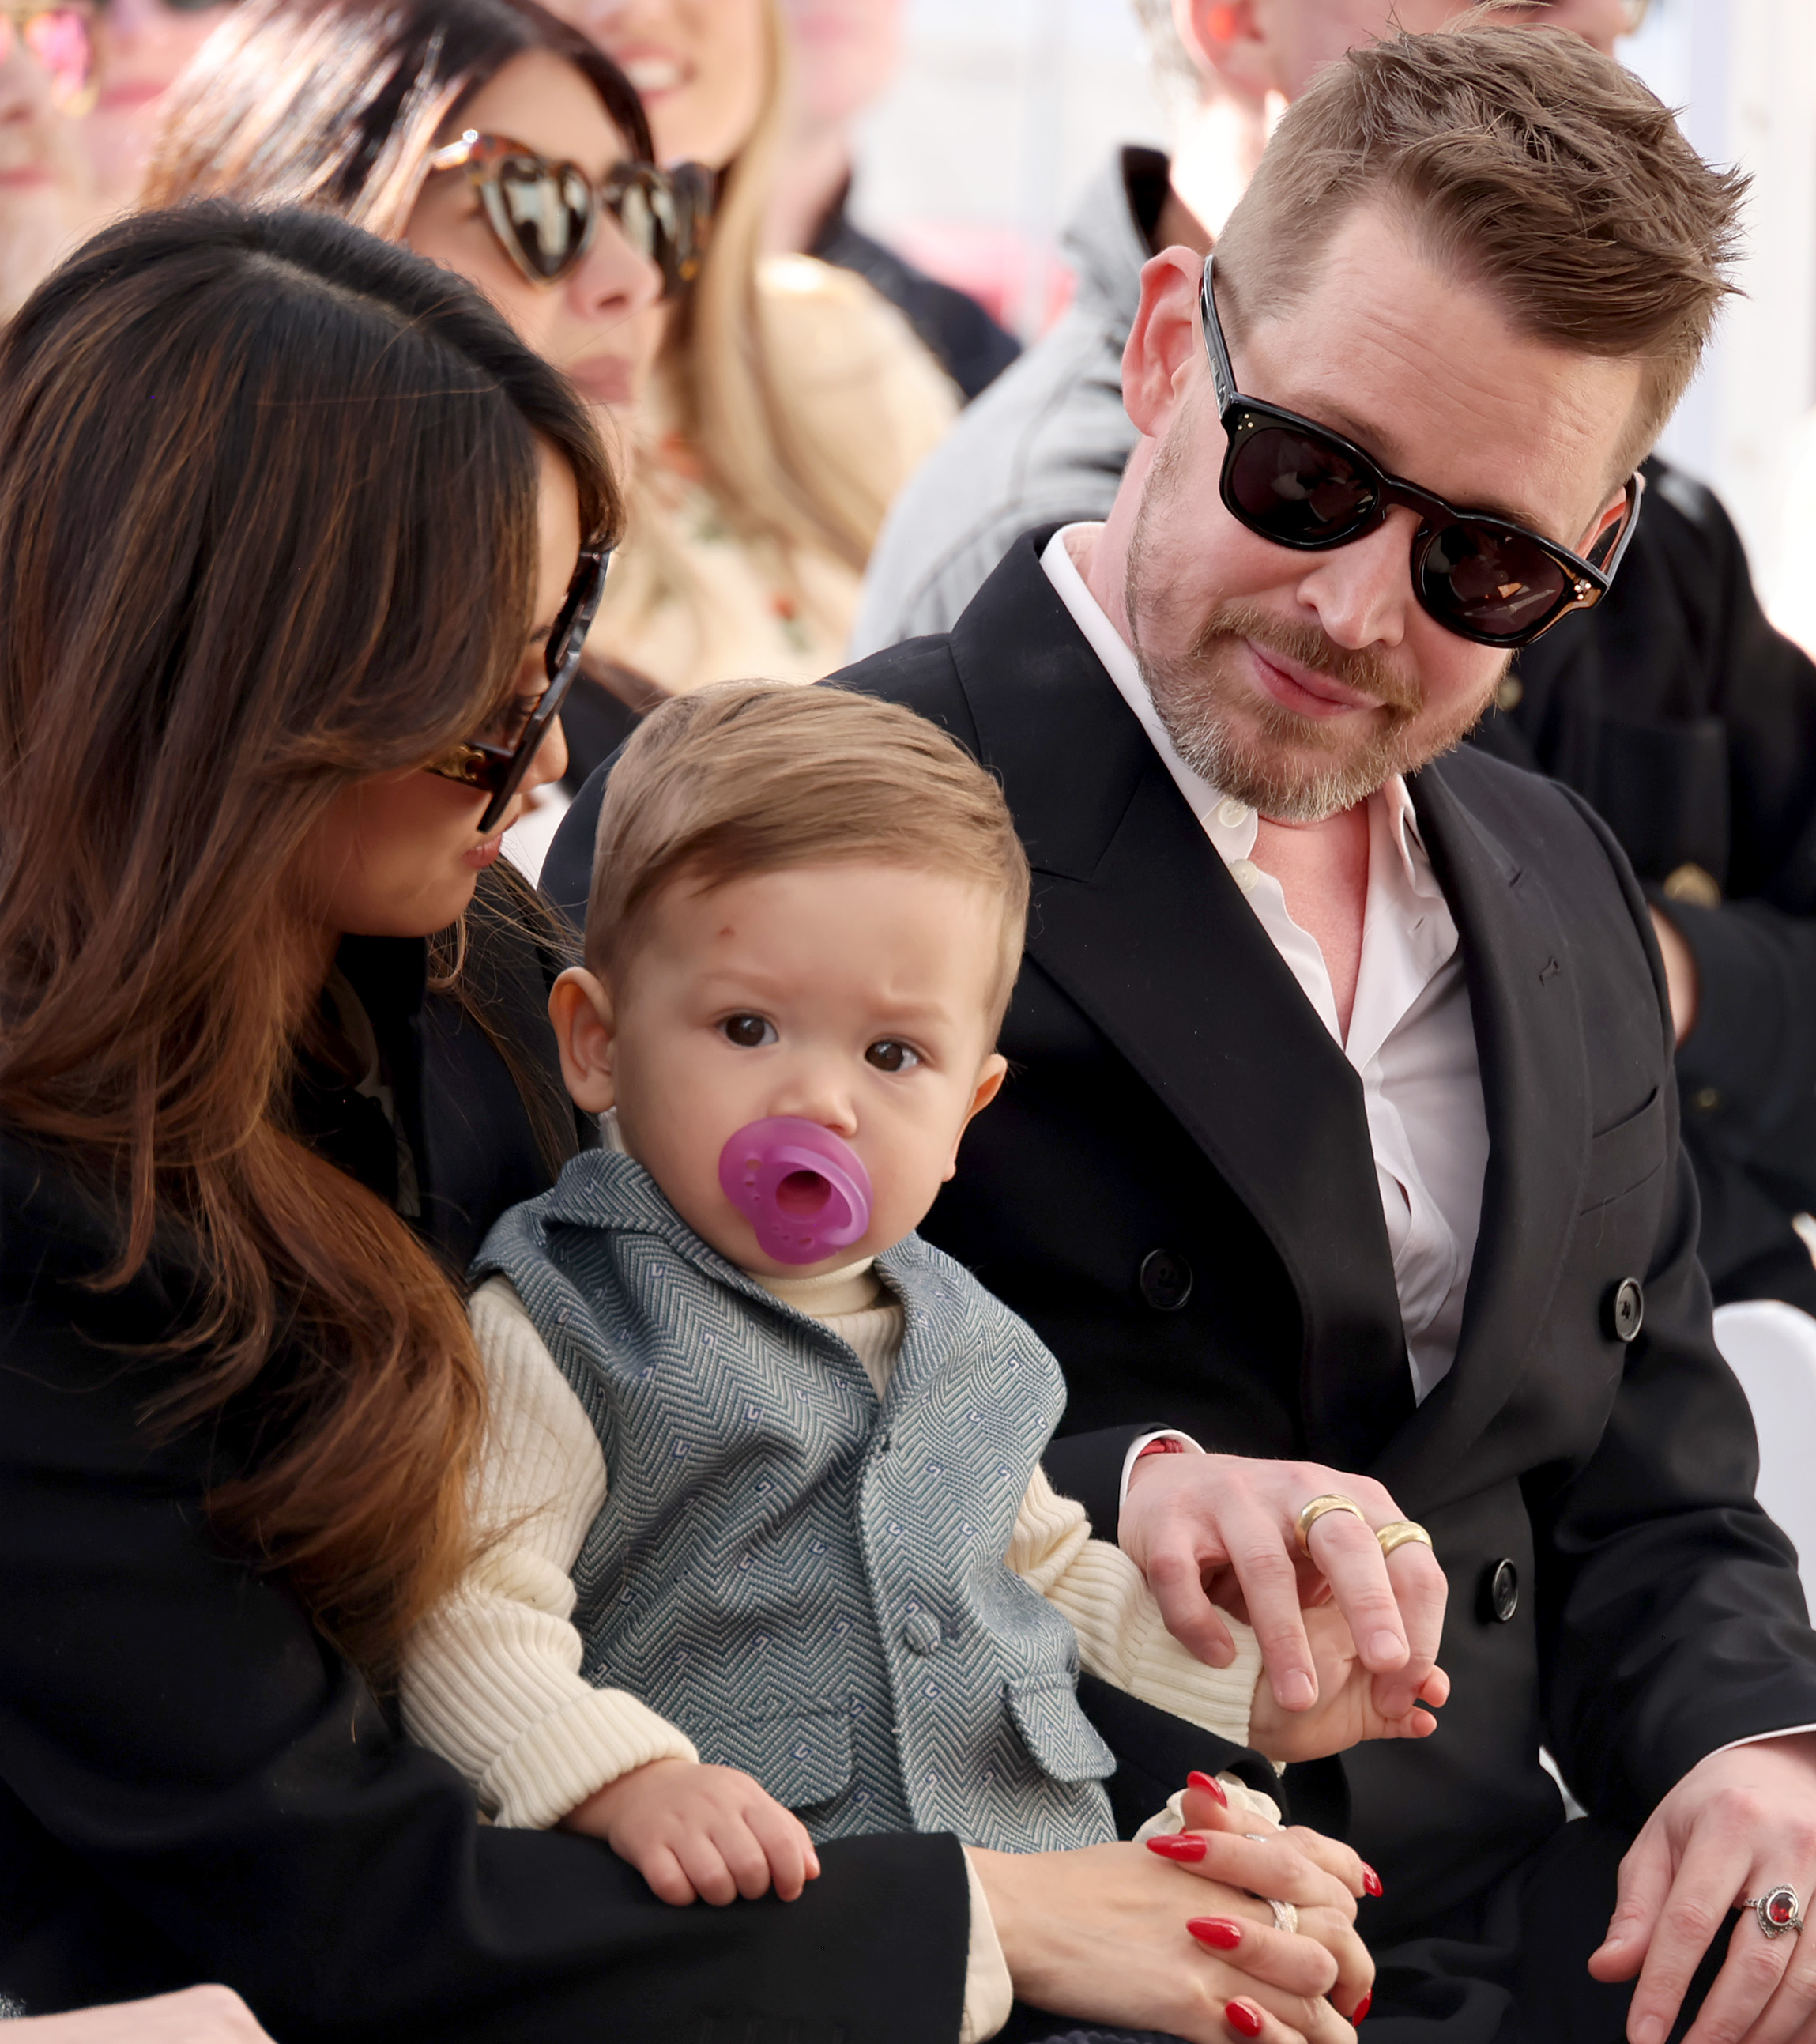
[(660, 1868), (792, 1862), (719, 1875)]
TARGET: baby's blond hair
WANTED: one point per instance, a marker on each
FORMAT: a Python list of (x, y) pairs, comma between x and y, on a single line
[(753, 777)]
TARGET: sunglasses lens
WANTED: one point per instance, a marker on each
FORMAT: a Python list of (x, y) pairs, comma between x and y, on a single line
[(1495, 585), (1297, 490), (547, 212)]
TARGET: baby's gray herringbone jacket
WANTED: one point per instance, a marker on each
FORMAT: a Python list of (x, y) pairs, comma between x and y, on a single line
[(811, 1584)]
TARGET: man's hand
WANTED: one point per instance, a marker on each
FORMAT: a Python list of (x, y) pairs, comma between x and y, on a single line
[(1196, 1525), (693, 1830), (1344, 1713), (1739, 1823)]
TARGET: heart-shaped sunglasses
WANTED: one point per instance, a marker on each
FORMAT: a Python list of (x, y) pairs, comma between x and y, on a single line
[(1290, 480), (545, 214)]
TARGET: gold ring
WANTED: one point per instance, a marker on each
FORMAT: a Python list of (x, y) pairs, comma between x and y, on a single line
[(1400, 1533), (1316, 1510)]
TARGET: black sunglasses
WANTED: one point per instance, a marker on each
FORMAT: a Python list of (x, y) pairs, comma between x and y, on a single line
[(1293, 481), (545, 214), (499, 769)]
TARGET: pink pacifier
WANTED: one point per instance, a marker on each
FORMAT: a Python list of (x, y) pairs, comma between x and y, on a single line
[(805, 1192)]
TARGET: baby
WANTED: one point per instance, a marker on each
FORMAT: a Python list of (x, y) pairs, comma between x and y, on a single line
[(771, 1557)]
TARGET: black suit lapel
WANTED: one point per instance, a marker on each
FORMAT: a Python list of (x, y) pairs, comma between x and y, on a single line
[(1137, 919), (1529, 1040)]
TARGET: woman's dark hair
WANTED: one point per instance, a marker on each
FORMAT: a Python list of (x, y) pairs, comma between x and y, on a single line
[(339, 103), (268, 526)]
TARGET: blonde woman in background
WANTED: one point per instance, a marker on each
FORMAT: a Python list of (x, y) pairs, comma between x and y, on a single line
[(791, 401)]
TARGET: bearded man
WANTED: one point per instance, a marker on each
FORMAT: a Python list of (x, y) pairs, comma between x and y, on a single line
[(1340, 1149)]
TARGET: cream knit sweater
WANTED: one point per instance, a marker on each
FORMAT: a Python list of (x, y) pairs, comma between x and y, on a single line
[(492, 1679)]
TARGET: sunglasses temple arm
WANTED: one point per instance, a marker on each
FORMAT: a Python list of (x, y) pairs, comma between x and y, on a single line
[(1629, 525), (1222, 371)]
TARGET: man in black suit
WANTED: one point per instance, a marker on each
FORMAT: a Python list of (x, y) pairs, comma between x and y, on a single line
[(1341, 1135)]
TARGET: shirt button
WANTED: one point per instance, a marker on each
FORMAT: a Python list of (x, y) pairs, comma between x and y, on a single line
[(1232, 814), (1245, 872)]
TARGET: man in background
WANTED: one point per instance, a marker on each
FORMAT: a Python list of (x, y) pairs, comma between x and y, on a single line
[(1675, 708)]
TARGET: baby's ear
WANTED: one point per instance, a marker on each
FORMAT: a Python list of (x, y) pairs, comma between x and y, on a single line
[(991, 1074), (580, 1009)]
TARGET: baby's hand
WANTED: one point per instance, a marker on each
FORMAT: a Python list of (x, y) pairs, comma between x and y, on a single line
[(700, 1833), (1345, 1713)]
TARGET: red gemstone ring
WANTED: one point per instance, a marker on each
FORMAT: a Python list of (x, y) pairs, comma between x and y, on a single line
[(1776, 1910)]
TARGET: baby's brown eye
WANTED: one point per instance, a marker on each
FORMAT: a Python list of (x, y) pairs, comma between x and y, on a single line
[(891, 1054), (749, 1032)]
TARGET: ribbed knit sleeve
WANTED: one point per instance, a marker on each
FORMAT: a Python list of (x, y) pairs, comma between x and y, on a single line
[(1121, 1636), (492, 1679)]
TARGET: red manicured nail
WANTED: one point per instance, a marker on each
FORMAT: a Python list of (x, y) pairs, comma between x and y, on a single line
[(1363, 2006), (1371, 1881), (1244, 2021), (1217, 1930), (1211, 1787), (1181, 1846)]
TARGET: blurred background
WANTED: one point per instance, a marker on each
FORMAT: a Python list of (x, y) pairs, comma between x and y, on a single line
[(1003, 109)]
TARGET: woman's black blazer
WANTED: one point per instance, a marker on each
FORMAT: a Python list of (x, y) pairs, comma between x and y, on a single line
[(195, 1786)]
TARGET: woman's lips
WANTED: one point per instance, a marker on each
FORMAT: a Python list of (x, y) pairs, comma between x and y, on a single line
[(1303, 690), (607, 379), (24, 177), (653, 72), (481, 855), (128, 95)]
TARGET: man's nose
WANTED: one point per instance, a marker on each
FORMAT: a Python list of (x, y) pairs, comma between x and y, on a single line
[(1360, 593)]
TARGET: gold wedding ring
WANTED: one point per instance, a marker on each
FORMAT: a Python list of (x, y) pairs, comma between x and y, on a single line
[(1399, 1533), (1316, 1510)]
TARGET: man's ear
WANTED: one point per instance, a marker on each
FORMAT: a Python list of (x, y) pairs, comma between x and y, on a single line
[(580, 1009), (990, 1077), (1165, 351), (1232, 41)]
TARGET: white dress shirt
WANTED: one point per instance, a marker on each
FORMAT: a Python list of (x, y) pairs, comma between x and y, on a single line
[(1410, 1040)]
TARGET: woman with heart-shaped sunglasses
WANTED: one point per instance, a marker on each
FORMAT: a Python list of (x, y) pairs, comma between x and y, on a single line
[(495, 138)]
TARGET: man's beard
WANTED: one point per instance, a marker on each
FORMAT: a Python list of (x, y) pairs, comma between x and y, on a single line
[(1291, 769)]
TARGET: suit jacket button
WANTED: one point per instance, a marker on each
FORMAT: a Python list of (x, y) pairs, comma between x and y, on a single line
[(921, 1633), (1165, 1281), (1623, 1312), (1500, 1593)]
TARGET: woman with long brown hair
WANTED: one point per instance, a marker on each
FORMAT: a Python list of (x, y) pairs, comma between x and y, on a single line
[(297, 545), (554, 208)]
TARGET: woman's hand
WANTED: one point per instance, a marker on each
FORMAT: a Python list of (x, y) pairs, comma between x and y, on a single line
[(198, 2015), (1101, 1934), (1345, 1713)]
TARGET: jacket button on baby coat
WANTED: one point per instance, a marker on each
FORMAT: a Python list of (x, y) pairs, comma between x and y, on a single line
[(920, 1635), (1165, 1281)]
